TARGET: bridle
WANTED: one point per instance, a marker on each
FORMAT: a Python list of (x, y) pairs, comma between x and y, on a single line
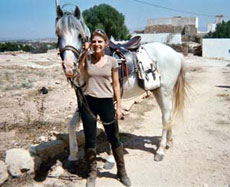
[(76, 52)]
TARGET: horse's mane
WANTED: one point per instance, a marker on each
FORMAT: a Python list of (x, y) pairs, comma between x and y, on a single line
[(68, 23)]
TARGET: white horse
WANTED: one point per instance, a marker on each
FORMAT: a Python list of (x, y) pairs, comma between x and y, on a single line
[(72, 32)]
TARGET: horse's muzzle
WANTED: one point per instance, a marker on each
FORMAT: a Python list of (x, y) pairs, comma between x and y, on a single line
[(73, 74)]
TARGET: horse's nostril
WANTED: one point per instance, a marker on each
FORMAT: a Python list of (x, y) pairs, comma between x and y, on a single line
[(69, 71), (75, 64)]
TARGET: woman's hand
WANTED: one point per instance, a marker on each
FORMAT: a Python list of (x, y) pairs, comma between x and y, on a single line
[(87, 46), (119, 114), (83, 56)]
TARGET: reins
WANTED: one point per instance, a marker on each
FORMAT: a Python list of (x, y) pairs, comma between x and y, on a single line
[(83, 101)]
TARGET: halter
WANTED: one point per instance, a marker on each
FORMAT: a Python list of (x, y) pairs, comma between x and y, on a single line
[(75, 51)]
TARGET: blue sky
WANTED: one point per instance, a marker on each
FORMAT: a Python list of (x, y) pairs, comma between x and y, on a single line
[(33, 19)]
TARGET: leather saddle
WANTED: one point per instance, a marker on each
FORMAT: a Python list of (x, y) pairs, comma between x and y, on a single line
[(133, 44), (125, 54)]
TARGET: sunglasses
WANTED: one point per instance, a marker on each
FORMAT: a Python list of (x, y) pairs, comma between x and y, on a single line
[(100, 31)]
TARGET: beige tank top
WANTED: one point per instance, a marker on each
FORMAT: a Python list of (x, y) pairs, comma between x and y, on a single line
[(99, 83)]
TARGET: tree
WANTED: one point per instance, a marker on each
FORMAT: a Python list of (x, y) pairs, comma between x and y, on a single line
[(107, 18), (222, 31)]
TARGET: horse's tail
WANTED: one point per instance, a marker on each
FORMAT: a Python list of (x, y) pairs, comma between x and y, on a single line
[(180, 91)]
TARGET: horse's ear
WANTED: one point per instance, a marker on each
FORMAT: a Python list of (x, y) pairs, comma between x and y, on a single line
[(77, 12), (59, 11)]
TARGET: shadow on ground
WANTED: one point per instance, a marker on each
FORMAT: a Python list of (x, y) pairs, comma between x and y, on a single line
[(79, 168)]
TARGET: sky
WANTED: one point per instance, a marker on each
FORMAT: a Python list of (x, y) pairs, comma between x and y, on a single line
[(35, 19)]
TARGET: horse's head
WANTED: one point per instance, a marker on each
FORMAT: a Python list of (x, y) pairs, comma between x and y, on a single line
[(72, 33)]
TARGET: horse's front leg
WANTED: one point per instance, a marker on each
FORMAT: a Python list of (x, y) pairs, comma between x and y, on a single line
[(73, 146), (110, 161), (169, 143)]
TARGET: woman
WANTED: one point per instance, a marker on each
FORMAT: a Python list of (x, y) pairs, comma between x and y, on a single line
[(102, 85)]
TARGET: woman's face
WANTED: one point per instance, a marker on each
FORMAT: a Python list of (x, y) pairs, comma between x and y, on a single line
[(98, 44)]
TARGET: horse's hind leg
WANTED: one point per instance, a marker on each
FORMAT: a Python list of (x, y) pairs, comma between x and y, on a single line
[(164, 100), (73, 146)]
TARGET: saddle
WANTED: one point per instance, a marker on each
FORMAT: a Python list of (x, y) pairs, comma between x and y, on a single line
[(133, 58), (125, 54), (133, 44)]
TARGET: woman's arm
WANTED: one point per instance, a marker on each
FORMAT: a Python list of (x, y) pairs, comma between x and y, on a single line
[(116, 88)]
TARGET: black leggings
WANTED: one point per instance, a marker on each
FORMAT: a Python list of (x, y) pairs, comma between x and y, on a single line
[(104, 107)]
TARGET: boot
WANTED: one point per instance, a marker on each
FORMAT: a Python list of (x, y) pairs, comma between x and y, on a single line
[(92, 167), (121, 172)]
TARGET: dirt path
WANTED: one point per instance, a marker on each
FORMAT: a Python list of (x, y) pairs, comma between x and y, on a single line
[(201, 152)]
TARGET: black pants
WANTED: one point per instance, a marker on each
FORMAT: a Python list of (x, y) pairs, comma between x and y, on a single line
[(104, 107)]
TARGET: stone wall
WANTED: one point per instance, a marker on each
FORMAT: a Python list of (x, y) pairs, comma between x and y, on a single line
[(186, 30), (186, 26), (174, 21)]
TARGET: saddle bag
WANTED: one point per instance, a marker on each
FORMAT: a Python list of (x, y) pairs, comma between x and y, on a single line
[(148, 74)]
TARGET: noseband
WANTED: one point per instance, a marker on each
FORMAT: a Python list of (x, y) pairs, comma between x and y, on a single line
[(76, 52)]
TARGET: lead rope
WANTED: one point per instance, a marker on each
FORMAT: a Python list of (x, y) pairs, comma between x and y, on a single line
[(82, 101)]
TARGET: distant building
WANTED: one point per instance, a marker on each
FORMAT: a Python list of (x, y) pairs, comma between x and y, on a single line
[(212, 26), (172, 27), (182, 25)]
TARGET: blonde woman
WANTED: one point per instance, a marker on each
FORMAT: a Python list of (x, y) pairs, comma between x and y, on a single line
[(101, 87)]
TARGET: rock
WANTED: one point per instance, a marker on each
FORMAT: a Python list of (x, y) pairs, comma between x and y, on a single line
[(3, 172), (44, 90), (19, 162), (37, 161), (49, 149), (32, 148), (57, 82), (43, 138), (57, 170)]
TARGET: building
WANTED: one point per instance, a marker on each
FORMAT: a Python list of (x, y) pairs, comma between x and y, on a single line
[(212, 26), (185, 26), (182, 25)]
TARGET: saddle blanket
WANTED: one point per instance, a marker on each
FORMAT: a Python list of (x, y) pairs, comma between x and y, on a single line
[(149, 76)]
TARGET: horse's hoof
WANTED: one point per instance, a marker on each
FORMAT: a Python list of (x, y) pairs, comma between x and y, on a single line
[(70, 165), (169, 144), (108, 165), (72, 158), (158, 157)]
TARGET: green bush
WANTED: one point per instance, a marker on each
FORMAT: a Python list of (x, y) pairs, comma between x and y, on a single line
[(222, 31), (107, 18), (32, 47)]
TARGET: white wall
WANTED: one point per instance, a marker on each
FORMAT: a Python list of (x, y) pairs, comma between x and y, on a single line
[(216, 48), (167, 38)]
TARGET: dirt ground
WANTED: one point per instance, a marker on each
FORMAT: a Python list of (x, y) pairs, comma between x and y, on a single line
[(200, 155)]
